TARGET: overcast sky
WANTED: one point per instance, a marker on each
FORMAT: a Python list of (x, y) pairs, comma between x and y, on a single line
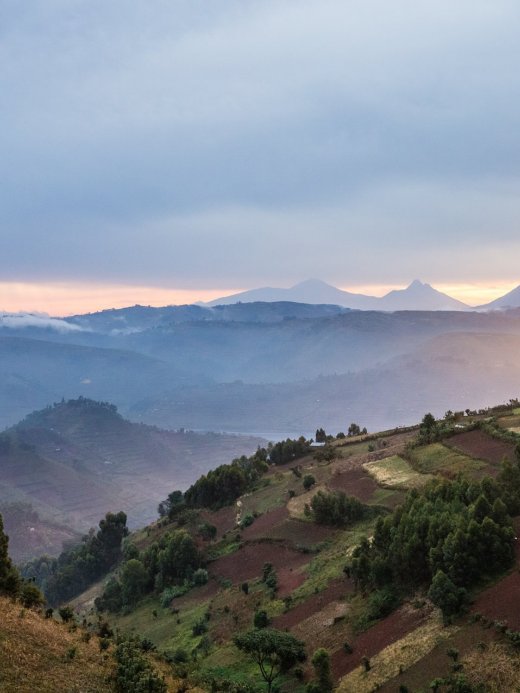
[(214, 145)]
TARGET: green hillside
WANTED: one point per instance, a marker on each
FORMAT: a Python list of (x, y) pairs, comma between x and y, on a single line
[(326, 547), (395, 553)]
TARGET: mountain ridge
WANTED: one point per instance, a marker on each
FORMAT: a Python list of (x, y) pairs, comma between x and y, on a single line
[(416, 296)]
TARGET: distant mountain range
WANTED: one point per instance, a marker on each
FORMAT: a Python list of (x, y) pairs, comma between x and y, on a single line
[(416, 296)]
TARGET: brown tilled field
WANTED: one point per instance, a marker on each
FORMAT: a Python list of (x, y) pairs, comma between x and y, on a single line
[(248, 562), (337, 590), (355, 482), (375, 639), (478, 444), (263, 525), (502, 601)]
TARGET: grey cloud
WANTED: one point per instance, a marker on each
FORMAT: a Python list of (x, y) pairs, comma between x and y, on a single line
[(189, 139)]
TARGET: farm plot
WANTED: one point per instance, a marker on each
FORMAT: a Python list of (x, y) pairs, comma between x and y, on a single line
[(247, 563), (437, 458), (394, 472), (479, 445)]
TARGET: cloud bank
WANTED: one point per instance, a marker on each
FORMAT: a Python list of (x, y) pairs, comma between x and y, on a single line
[(196, 144)]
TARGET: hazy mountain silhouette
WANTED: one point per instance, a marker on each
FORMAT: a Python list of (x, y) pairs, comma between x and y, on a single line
[(510, 300), (417, 296)]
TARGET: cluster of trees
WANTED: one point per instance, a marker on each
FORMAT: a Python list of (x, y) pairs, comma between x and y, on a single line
[(223, 485), (431, 430), (336, 508), (458, 530), (11, 583), (172, 560), (288, 450), (78, 567), (226, 483)]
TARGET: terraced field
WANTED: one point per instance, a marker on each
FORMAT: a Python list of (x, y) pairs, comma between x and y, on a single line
[(316, 599)]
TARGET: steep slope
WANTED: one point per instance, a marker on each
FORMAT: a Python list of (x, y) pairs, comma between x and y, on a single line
[(77, 460), (38, 654), (274, 559)]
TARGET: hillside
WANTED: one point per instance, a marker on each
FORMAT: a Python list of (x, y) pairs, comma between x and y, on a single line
[(233, 373), (35, 654), (76, 460), (271, 553)]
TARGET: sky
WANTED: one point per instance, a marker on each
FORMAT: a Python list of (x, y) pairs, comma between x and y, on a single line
[(176, 150)]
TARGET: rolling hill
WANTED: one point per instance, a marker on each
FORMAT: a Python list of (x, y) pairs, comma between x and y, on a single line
[(76, 460)]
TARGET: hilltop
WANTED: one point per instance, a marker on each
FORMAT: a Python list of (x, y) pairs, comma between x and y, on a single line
[(64, 466), (277, 549)]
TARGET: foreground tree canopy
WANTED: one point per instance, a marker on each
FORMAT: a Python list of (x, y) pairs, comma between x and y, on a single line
[(274, 651)]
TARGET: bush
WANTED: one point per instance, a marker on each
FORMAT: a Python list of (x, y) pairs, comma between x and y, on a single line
[(134, 672), (308, 481), (200, 577), (261, 619)]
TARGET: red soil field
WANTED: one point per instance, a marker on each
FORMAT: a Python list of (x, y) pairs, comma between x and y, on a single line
[(336, 590), (479, 444), (300, 532), (223, 519), (355, 482), (247, 563), (372, 641), (502, 601), (263, 525)]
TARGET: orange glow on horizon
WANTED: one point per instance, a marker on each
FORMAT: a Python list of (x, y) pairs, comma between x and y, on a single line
[(60, 299), (69, 298), (472, 294)]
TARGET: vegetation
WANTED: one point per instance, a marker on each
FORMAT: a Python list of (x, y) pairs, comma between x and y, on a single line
[(336, 508), (450, 531), (134, 672), (273, 651), (78, 567), (321, 663), (10, 582), (173, 560)]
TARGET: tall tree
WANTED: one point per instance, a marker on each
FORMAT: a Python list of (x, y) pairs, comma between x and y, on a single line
[(274, 651)]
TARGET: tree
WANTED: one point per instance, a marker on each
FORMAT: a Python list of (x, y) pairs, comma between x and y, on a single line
[(446, 595), (9, 576), (308, 482), (321, 663), (274, 652), (134, 581), (321, 436), (353, 430)]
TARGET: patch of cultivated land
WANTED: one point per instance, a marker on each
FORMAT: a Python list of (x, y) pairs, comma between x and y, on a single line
[(436, 663), (354, 482), (247, 563), (336, 591), (383, 634), (482, 446), (395, 472), (440, 459)]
